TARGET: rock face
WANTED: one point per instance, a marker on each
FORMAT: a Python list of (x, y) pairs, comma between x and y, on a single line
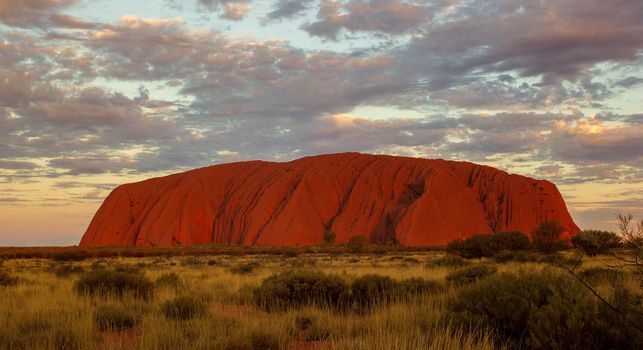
[(410, 201)]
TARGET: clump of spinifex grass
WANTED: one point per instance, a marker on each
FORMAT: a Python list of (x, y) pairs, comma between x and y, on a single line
[(6, 279), (114, 283)]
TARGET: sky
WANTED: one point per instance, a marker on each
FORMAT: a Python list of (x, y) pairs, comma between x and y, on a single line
[(98, 93)]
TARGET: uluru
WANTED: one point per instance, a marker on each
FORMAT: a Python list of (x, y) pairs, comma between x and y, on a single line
[(407, 201)]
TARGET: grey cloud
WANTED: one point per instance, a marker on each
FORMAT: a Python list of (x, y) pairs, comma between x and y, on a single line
[(549, 38), (283, 9), (17, 165), (40, 13), (77, 184), (234, 10), (228, 78), (629, 82), (378, 16), (92, 165)]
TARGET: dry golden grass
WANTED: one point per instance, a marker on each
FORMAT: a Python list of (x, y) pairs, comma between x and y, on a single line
[(43, 312)]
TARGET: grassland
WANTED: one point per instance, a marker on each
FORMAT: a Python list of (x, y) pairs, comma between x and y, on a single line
[(42, 311)]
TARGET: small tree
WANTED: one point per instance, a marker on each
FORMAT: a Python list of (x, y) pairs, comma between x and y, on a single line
[(357, 243), (546, 237), (594, 242), (632, 238), (329, 237)]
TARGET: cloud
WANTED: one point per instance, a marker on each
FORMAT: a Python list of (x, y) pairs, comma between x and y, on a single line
[(67, 21), (235, 11), (376, 16), (242, 78), (27, 13), (17, 165), (557, 40), (285, 9), (629, 82)]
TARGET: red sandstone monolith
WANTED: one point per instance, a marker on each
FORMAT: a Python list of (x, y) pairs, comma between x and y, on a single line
[(410, 201)]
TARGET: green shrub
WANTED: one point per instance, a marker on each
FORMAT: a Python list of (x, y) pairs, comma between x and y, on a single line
[(244, 269), (549, 311), (369, 291), (66, 270), (307, 328), (296, 288), (575, 319), (183, 308), (546, 237), (75, 255), (6, 279), (518, 256), (503, 301), (471, 274), (168, 280), (449, 260), (417, 286), (114, 283), (357, 243), (109, 318), (594, 242), (329, 237), (486, 245), (291, 253)]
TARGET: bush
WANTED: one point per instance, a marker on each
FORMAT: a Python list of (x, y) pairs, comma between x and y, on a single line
[(114, 283), (168, 280), (307, 328), (329, 237), (244, 269), (594, 242), (548, 311), (546, 237), (373, 290), (6, 279), (291, 289), (183, 308), (291, 253), (486, 245), (519, 256), (449, 260), (266, 340), (471, 274), (503, 301), (357, 243), (74, 255), (66, 270), (417, 286), (574, 319), (108, 318)]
